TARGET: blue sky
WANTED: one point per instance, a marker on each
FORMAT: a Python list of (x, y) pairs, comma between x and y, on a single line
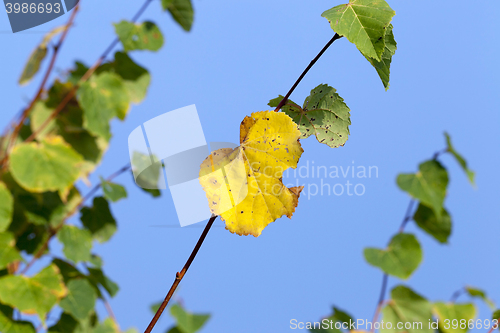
[(444, 77)]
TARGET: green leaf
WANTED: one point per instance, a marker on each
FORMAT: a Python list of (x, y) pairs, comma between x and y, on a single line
[(188, 322), (67, 270), (77, 243), (181, 11), (144, 36), (338, 316), (463, 163), (80, 300), (496, 314), (35, 295), (8, 325), (37, 56), (112, 191), (400, 259), (65, 324), (454, 311), (107, 326), (439, 228), (135, 78), (478, 293), (103, 97), (406, 306), (427, 185), (362, 22), (51, 165), (39, 115), (98, 220), (8, 251), (6, 207), (147, 179), (383, 66), (324, 114), (96, 276), (276, 101)]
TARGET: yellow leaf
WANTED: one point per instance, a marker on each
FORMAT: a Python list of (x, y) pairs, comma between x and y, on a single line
[(244, 185)]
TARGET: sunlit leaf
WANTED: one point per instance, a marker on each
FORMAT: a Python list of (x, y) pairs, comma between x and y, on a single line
[(102, 98), (408, 308), (51, 165), (80, 300), (383, 66), (37, 56), (112, 191), (144, 36), (77, 243), (8, 251), (243, 185), (454, 311), (6, 207), (427, 185), (362, 22), (401, 258), (33, 295), (188, 322), (481, 294), (324, 114), (459, 158)]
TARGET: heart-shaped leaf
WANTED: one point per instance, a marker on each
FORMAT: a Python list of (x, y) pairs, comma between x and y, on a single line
[(144, 36), (454, 311), (427, 185), (244, 185), (437, 227), (400, 259), (362, 22)]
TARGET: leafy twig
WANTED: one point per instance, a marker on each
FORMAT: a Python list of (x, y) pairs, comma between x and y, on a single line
[(285, 99), (25, 114), (494, 327), (383, 289), (180, 275), (54, 231)]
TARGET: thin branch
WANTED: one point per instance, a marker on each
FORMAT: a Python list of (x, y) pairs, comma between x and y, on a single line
[(285, 99), (110, 312), (383, 289), (457, 294), (407, 217), (380, 300), (25, 114), (85, 77), (53, 231), (180, 275), (494, 327)]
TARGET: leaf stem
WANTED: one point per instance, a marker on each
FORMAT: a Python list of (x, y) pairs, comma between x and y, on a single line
[(53, 232), (311, 64), (407, 217), (456, 295), (180, 275)]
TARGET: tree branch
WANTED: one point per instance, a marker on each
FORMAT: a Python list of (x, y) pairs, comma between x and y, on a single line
[(285, 99), (180, 275), (25, 114)]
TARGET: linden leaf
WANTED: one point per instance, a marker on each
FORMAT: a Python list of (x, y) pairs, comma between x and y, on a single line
[(324, 114), (383, 66), (362, 22), (463, 163), (33, 295), (453, 311), (145, 36), (401, 258), (243, 185), (51, 165), (37, 56), (181, 11)]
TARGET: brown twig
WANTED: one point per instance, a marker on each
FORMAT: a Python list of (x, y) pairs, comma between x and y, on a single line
[(494, 327), (53, 231), (311, 64), (110, 312), (25, 114), (180, 275)]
